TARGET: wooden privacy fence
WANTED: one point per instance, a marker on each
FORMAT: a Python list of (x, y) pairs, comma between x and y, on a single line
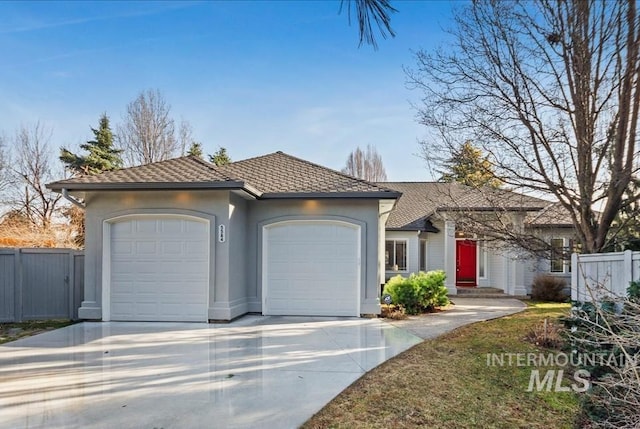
[(40, 284), (602, 272)]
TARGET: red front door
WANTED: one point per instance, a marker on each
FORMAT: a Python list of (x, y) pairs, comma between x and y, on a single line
[(465, 263)]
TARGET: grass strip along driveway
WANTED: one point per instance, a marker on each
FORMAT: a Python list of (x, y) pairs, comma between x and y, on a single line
[(14, 331), (448, 383)]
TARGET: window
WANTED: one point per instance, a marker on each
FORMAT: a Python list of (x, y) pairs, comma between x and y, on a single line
[(557, 255), (395, 255), (482, 259), (423, 254)]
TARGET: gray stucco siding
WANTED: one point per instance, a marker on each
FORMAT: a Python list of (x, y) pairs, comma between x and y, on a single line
[(237, 302), (102, 207), (235, 281)]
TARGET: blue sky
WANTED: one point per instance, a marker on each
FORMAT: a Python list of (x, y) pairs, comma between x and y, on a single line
[(252, 76)]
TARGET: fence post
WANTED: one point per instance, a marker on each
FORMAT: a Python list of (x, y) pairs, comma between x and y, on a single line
[(17, 269), (628, 271), (71, 284), (574, 276)]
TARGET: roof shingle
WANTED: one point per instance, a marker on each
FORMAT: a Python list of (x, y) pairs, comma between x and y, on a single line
[(280, 173), (420, 200), (415, 205), (552, 216), (275, 175), (187, 170)]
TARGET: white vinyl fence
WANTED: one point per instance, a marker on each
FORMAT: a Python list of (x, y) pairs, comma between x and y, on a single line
[(603, 273), (39, 284)]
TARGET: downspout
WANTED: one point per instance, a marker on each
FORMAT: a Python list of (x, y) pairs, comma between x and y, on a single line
[(74, 201)]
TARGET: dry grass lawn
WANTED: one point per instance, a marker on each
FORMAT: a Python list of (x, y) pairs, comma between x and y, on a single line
[(13, 331), (446, 383)]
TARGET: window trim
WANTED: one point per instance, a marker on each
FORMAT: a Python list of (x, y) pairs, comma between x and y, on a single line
[(393, 258), (481, 251), (422, 254), (566, 263)]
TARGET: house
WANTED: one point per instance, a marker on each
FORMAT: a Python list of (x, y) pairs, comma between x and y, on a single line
[(426, 231), (184, 240)]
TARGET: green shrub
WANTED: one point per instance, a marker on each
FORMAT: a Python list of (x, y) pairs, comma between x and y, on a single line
[(549, 288), (419, 292), (634, 291), (404, 293)]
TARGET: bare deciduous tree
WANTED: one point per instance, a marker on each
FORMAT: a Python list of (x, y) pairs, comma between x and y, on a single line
[(185, 136), (366, 165), (147, 133), (608, 326), (3, 163), (30, 170), (550, 91)]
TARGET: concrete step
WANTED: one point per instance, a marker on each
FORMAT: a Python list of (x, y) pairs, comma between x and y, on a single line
[(482, 295), (483, 292), (478, 290)]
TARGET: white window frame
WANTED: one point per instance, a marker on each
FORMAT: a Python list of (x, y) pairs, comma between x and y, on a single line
[(483, 260), (422, 254), (566, 263), (392, 258)]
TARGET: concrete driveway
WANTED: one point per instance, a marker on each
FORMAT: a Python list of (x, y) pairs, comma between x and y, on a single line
[(271, 372)]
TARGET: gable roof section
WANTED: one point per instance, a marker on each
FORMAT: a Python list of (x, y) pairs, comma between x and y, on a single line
[(461, 197), (414, 206), (279, 175), (276, 175), (552, 216), (188, 172), (420, 200)]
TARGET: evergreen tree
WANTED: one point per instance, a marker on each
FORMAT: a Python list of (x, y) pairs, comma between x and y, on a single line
[(220, 157), (195, 150), (102, 155), (469, 167)]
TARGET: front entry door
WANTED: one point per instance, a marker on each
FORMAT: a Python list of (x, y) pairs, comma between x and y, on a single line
[(465, 263)]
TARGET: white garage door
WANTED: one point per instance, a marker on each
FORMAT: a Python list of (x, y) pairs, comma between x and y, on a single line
[(159, 269), (311, 269)]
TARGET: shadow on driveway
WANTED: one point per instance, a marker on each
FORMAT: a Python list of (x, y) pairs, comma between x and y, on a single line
[(258, 371)]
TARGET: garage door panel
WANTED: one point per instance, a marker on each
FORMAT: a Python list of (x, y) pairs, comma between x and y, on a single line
[(312, 268), (198, 249), (159, 269), (171, 226), (172, 248), (196, 228), (121, 228), (146, 247), (144, 227)]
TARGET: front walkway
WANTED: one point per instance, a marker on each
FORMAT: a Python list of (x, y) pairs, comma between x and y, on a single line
[(464, 312)]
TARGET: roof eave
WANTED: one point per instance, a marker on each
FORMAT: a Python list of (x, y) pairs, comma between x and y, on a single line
[(488, 209), (549, 225), (433, 230), (330, 195), (139, 186)]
